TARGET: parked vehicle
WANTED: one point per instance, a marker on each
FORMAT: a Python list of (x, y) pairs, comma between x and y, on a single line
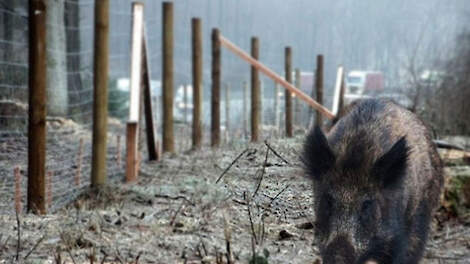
[(363, 84)]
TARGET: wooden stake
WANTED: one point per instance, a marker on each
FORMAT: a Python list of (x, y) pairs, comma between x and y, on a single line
[(100, 95), (37, 107), (337, 95), (49, 189), (78, 173), (319, 88), (197, 82), (216, 82), (152, 146), (167, 70), (271, 74), (17, 174), (255, 92), (288, 94), (132, 157)]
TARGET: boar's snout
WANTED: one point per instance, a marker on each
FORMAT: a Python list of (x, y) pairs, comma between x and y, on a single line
[(339, 250)]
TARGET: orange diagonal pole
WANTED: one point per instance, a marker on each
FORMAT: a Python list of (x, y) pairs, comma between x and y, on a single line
[(271, 74)]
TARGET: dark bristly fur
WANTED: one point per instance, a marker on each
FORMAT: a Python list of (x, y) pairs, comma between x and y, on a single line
[(376, 179)]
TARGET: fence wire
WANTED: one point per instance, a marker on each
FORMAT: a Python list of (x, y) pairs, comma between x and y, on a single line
[(70, 28)]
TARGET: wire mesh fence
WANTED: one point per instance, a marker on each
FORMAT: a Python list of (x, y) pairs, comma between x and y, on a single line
[(70, 32)]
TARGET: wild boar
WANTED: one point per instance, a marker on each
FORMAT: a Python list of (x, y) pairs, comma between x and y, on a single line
[(377, 178)]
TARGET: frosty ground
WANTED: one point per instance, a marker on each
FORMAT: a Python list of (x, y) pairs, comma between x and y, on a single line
[(177, 213)]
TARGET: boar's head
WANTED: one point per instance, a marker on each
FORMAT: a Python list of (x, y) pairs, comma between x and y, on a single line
[(358, 186)]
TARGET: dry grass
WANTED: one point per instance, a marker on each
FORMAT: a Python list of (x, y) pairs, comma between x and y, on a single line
[(177, 213)]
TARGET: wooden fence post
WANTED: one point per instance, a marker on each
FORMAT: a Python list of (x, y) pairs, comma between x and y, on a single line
[(298, 83), (132, 133), (167, 70), (17, 174), (100, 93), (227, 112), (319, 89), (152, 144), (337, 94), (288, 94), (255, 92), (37, 107), (197, 82), (216, 81), (132, 158)]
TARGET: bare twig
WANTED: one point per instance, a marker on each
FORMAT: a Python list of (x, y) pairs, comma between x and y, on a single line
[(228, 235), (262, 172), (138, 257), (279, 193), (252, 225), (35, 246), (174, 198), (71, 255), (230, 166), (172, 222), (275, 153)]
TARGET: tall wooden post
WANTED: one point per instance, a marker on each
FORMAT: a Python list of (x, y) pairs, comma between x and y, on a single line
[(288, 97), (37, 107), (337, 94), (216, 81), (319, 89), (132, 133), (197, 82), (152, 144), (167, 70), (255, 92), (298, 83), (100, 102)]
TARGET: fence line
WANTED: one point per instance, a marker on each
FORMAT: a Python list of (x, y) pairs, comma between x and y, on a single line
[(69, 156)]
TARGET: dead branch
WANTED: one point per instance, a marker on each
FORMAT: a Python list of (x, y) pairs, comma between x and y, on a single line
[(275, 152), (263, 170), (174, 198), (279, 193), (35, 246), (230, 166), (172, 222)]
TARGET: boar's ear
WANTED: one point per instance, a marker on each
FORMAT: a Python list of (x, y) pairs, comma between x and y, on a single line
[(317, 156), (390, 168)]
